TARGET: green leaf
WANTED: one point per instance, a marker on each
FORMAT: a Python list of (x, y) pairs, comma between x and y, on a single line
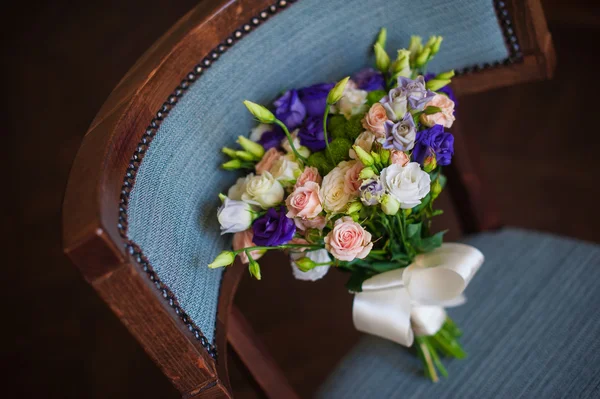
[(424, 202), (414, 231), (374, 96), (355, 281), (432, 110), (430, 243), (442, 179)]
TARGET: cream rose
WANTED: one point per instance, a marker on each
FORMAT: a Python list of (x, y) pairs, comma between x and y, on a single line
[(333, 190), (407, 184), (352, 181), (352, 102), (365, 141), (310, 173), (399, 157), (374, 119), (304, 202), (267, 160), (445, 117), (234, 216), (263, 190), (348, 240), (285, 171), (242, 240), (235, 192)]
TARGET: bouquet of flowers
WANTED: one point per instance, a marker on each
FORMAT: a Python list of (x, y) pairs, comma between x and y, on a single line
[(345, 175)]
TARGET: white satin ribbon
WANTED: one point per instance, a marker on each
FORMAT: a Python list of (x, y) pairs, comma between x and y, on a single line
[(400, 303)]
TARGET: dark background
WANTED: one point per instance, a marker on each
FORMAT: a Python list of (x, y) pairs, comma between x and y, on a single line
[(539, 144)]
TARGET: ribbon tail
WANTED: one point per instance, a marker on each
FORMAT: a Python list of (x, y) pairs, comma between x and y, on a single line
[(385, 313), (427, 320)]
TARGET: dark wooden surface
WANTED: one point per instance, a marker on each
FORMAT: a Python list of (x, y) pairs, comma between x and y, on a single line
[(538, 149)]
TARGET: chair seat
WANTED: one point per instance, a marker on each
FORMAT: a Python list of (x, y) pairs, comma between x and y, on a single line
[(531, 329)]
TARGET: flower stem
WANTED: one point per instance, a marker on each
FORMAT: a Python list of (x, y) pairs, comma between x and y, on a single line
[(291, 141), (427, 358), (325, 115), (263, 248)]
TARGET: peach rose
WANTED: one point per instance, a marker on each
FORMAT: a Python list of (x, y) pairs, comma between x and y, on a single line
[(310, 173), (365, 141), (318, 222), (305, 201), (399, 158), (374, 119), (352, 180), (348, 240), (268, 160), (243, 239), (445, 117)]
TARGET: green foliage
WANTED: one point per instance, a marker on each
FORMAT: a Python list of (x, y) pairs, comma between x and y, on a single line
[(414, 235), (354, 127), (321, 161), (374, 96), (339, 148), (340, 127), (336, 125)]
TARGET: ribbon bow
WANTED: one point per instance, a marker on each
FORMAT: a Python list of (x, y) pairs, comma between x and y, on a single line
[(400, 303)]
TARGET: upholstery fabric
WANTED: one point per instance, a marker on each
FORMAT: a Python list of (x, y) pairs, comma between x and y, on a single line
[(531, 328), (174, 198)]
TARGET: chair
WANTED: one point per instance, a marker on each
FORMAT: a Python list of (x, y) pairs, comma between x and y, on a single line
[(139, 208)]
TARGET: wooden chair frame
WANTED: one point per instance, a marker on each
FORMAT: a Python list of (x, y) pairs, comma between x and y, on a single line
[(94, 215)]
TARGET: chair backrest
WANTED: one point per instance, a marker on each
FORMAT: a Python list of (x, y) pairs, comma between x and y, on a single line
[(139, 212)]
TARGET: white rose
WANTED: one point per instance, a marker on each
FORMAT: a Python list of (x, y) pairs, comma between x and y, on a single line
[(263, 190), (335, 197), (407, 184), (396, 108), (352, 102), (364, 141), (234, 216), (318, 256), (285, 171), (258, 131), (235, 192)]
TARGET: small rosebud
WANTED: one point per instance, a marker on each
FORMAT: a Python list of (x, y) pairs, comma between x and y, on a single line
[(244, 156), (228, 151), (435, 47), (305, 264), (222, 197), (431, 41), (436, 189), (436, 84), (366, 173), (337, 92), (363, 156), (430, 163), (254, 269), (415, 46), (225, 258), (382, 59), (376, 157), (250, 146), (389, 205), (232, 165), (303, 151), (382, 37), (445, 75), (401, 67), (385, 157), (260, 112), (354, 207), (423, 57)]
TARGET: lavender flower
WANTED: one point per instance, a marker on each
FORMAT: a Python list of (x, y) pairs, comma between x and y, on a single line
[(311, 133), (272, 138), (415, 92), (273, 228), (434, 141), (314, 98), (369, 79), (400, 135), (289, 109), (371, 191)]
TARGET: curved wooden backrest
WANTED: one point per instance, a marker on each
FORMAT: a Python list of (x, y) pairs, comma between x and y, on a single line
[(117, 140)]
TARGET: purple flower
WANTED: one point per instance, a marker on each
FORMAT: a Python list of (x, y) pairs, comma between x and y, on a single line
[(414, 90), (369, 79), (273, 228), (289, 109), (446, 90), (272, 138), (311, 133), (400, 135), (371, 191), (314, 98), (434, 141)]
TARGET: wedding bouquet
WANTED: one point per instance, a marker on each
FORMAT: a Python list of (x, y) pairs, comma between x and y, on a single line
[(345, 175)]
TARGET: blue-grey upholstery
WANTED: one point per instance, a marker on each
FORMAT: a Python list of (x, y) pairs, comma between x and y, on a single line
[(531, 324), (172, 206)]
